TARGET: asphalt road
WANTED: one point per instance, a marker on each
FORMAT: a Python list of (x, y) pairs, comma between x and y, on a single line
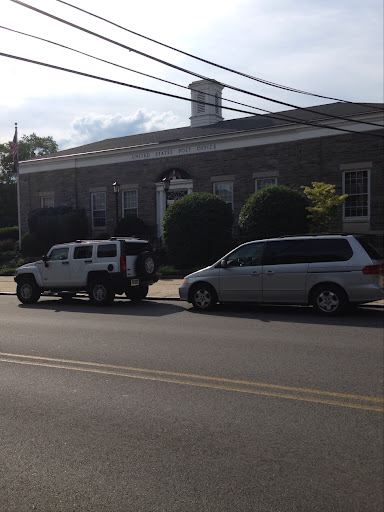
[(154, 407)]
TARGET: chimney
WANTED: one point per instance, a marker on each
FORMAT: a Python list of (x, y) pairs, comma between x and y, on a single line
[(202, 92)]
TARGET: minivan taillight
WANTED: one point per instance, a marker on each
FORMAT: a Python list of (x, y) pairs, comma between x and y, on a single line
[(373, 269), (123, 264)]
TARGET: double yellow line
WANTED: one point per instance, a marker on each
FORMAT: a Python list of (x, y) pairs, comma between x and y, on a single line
[(368, 403)]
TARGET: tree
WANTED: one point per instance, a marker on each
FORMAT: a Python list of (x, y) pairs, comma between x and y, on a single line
[(197, 229), (29, 147), (273, 211), (325, 203)]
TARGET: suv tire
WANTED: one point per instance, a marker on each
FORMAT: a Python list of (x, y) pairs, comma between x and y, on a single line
[(27, 291), (329, 299), (145, 265), (100, 292), (137, 294)]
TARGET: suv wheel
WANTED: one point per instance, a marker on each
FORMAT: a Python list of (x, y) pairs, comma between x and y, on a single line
[(203, 296), (27, 291), (137, 294), (329, 299), (100, 292), (145, 265)]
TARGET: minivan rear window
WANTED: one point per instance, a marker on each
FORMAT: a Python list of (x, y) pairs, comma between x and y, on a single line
[(372, 252), (331, 249)]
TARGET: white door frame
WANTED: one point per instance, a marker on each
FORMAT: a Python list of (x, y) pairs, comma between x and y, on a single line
[(175, 184)]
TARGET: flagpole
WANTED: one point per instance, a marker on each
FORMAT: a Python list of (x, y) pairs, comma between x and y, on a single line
[(15, 151)]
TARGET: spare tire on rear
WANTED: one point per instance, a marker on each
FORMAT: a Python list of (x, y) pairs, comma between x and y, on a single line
[(145, 265)]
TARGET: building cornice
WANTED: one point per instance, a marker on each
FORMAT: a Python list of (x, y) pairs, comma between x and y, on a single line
[(202, 144)]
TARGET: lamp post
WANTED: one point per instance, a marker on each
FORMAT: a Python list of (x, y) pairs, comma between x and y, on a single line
[(166, 185), (116, 190)]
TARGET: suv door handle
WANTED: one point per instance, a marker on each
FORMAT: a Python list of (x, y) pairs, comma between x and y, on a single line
[(255, 273), (87, 261), (65, 262), (270, 272)]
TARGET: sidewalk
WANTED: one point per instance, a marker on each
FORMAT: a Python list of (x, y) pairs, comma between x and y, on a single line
[(163, 289)]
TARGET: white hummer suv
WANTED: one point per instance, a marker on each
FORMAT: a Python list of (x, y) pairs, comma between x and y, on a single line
[(102, 268)]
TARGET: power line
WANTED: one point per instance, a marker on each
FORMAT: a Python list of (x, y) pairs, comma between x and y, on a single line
[(60, 68), (261, 80), (306, 109), (283, 117)]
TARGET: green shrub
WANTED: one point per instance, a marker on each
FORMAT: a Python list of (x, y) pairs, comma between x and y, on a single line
[(197, 230), (130, 225), (31, 245), (58, 225), (9, 233), (7, 245), (273, 211)]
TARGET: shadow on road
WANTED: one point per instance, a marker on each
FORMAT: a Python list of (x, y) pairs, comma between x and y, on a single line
[(120, 306), (362, 316)]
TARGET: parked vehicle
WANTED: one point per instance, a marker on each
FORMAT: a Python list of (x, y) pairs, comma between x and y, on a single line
[(102, 268), (328, 272)]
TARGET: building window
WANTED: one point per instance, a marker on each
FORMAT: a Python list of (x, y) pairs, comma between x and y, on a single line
[(130, 203), (264, 182), (224, 189), (98, 206), (47, 201), (356, 185)]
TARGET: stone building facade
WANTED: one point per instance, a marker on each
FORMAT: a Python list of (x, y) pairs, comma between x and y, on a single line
[(337, 143)]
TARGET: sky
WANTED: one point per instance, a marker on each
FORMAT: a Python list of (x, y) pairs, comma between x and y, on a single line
[(329, 47)]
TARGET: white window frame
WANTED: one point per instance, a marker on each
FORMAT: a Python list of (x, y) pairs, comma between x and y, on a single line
[(264, 179), (216, 187), (93, 209), (47, 201), (355, 194), (123, 202)]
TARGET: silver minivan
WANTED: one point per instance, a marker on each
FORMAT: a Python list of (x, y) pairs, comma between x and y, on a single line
[(327, 271)]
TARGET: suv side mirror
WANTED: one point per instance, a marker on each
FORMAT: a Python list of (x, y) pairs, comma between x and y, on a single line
[(223, 263), (45, 259)]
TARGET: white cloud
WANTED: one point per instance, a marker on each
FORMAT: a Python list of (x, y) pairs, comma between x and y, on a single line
[(93, 127)]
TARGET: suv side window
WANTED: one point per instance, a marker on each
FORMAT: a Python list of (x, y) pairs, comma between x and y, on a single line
[(106, 250), (281, 252), (59, 254), (331, 249), (248, 255), (136, 248), (82, 252)]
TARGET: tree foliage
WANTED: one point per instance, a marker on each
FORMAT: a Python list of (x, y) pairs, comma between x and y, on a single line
[(29, 146), (273, 211), (197, 230), (325, 202)]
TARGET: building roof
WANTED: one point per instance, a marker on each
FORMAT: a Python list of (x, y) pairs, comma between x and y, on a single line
[(244, 124)]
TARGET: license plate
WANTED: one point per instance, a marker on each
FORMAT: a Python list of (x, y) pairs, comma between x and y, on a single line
[(135, 282)]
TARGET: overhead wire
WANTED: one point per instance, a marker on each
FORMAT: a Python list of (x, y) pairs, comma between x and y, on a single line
[(257, 79), (279, 116), (305, 109), (60, 68)]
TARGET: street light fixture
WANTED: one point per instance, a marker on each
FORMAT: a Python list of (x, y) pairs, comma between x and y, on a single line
[(166, 185), (116, 190)]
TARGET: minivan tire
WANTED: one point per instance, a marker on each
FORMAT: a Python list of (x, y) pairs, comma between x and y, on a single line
[(329, 299), (101, 293), (27, 291), (203, 296)]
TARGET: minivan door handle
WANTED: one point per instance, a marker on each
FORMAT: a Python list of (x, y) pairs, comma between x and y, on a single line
[(255, 273), (270, 272)]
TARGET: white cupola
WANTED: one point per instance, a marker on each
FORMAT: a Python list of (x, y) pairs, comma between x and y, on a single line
[(203, 92)]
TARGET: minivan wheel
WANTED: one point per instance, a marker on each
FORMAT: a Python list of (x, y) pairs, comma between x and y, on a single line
[(329, 299), (27, 291), (203, 296), (100, 293)]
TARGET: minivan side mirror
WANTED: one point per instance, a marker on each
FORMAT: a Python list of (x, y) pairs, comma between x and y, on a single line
[(223, 263)]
